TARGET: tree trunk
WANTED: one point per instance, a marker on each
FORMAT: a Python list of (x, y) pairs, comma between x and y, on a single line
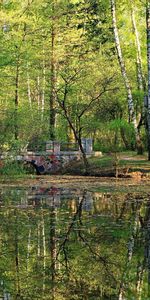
[(77, 133), (140, 77), (43, 90), (38, 241), (16, 100), (140, 274), (124, 139), (52, 102), (131, 111), (28, 249), (44, 241), (38, 92), (53, 249), (148, 64), (29, 89), (44, 249), (78, 139), (17, 263), (131, 244)]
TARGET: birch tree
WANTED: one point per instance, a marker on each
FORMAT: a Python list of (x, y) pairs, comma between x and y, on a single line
[(140, 76), (141, 82), (148, 64), (131, 110)]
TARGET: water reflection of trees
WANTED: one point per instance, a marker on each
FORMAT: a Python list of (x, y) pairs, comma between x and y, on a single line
[(58, 244)]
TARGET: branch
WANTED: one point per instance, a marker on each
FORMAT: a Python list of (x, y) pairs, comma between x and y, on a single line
[(71, 79), (62, 245), (94, 100)]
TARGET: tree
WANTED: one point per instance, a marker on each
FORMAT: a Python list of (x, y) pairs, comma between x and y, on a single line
[(44, 44), (148, 64), (131, 110), (52, 102)]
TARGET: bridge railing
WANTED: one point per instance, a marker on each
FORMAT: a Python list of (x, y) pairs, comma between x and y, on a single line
[(57, 147), (38, 147), (69, 146)]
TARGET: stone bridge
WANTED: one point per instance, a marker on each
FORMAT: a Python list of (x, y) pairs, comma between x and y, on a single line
[(53, 159)]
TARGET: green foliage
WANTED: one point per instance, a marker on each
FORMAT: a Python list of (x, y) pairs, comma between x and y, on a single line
[(138, 96), (85, 60), (10, 168), (116, 126)]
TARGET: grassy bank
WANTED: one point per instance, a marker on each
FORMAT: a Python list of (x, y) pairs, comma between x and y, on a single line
[(124, 164), (13, 170)]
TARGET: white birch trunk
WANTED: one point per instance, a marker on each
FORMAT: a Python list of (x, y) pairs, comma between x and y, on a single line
[(148, 64), (140, 77), (132, 117), (129, 257), (140, 272)]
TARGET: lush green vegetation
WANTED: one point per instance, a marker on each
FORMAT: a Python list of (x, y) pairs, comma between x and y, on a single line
[(121, 164), (73, 69)]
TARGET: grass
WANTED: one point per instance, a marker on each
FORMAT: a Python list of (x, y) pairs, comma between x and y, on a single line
[(102, 162), (109, 163), (12, 170), (134, 163)]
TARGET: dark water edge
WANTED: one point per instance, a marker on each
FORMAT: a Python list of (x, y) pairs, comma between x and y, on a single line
[(75, 239)]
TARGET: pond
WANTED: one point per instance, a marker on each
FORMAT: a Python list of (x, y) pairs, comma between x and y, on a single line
[(68, 243)]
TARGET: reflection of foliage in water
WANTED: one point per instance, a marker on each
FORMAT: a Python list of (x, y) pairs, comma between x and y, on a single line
[(58, 244)]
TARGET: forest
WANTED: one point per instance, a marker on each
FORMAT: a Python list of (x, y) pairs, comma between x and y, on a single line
[(72, 69)]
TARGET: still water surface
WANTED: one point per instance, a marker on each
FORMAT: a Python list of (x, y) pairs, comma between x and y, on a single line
[(68, 244)]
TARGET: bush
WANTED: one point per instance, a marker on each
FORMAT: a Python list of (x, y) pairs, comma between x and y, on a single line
[(12, 168)]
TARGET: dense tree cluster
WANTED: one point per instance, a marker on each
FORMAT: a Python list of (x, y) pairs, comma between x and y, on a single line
[(73, 69)]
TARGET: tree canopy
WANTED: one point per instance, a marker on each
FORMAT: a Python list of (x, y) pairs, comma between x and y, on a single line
[(61, 75)]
